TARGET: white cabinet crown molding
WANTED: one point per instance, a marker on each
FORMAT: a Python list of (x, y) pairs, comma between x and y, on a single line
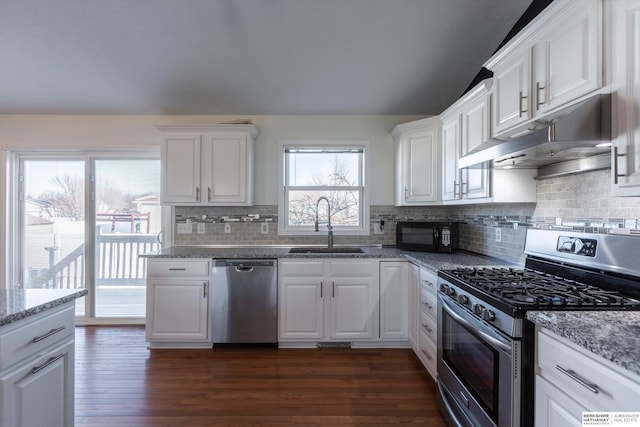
[(206, 128), (481, 89), (428, 122), (529, 34)]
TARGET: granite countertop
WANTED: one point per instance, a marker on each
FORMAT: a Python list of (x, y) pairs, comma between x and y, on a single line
[(16, 304), (431, 261), (613, 335)]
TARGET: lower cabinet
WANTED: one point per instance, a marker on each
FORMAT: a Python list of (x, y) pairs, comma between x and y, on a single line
[(37, 370), (571, 380), (178, 303), (394, 300), (327, 300), (428, 321), (414, 291)]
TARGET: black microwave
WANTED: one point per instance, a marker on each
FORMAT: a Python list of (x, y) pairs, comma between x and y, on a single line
[(426, 236)]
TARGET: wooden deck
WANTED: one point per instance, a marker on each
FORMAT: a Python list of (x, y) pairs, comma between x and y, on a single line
[(119, 382), (117, 302)]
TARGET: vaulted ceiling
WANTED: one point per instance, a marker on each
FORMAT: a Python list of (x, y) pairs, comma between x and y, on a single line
[(245, 56)]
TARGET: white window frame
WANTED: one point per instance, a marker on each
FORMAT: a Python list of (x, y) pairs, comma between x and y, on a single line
[(283, 227)]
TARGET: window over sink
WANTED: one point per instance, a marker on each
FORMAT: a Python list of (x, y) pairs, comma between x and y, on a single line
[(331, 169)]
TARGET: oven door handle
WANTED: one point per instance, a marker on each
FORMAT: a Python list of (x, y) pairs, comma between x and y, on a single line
[(492, 338)]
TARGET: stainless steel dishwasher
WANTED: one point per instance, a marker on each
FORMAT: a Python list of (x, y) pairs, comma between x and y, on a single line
[(244, 301)]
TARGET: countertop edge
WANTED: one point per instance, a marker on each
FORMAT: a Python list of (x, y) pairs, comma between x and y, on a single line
[(54, 302), (612, 335)]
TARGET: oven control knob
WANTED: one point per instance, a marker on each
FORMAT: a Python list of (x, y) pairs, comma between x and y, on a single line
[(478, 309), (488, 314), (463, 299), (443, 288), (451, 292)]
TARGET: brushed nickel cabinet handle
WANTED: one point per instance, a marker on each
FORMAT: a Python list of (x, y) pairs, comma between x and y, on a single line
[(204, 290), (538, 89), (455, 185), (37, 369), (520, 110), (197, 194), (616, 157), (427, 355), (208, 194), (593, 388), (178, 269), (48, 334)]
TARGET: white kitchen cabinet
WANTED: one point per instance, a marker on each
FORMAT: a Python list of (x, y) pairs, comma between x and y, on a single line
[(417, 147), (178, 303), (37, 370), (394, 300), (428, 321), (466, 125), (626, 84), (554, 60), (327, 300), (571, 380), (414, 292), (208, 164)]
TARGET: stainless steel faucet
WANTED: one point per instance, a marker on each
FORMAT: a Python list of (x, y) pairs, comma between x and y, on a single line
[(330, 235)]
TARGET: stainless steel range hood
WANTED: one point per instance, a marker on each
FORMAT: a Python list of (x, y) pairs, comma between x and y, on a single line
[(565, 138)]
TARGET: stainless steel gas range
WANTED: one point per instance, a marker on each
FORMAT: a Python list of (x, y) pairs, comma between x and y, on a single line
[(486, 346)]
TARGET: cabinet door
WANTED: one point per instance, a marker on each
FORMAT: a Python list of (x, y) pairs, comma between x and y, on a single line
[(474, 182), (177, 310), (394, 300), (181, 169), (450, 154), (300, 308), (567, 56), (40, 392), (511, 104), (554, 408), (420, 173), (225, 169), (625, 160), (352, 308)]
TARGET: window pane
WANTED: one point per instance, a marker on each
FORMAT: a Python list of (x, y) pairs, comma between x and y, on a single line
[(53, 218), (345, 208), (324, 168)]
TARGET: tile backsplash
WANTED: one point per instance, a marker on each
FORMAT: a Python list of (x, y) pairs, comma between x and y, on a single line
[(580, 202)]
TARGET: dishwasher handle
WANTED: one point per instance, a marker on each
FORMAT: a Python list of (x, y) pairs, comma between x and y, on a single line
[(241, 269)]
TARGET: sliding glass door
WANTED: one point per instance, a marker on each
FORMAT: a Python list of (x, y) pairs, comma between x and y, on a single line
[(84, 222), (127, 223)]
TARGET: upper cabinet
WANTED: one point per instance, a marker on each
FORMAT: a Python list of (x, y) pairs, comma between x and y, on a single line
[(626, 85), (417, 159), (556, 59), (208, 164), (466, 125)]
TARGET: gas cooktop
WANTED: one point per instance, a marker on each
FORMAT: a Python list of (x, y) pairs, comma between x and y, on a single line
[(527, 289)]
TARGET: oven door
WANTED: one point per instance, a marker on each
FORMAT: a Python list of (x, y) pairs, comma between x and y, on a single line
[(478, 370)]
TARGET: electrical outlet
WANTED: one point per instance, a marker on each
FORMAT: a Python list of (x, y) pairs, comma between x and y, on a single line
[(264, 227), (377, 229), (227, 228), (201, 228), (184, 228), (498, 235)]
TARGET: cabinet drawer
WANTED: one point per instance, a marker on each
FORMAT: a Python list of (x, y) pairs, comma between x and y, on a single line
[(301, 268), (615, 390), (428, 303), (30, 335), (191, 268), (354, 268), (428, 280), (428, 352), (429, 326)]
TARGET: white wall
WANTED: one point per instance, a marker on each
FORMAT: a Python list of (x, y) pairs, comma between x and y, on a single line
[(96, 132)]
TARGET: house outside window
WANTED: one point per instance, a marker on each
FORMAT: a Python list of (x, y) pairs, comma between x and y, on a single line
[(313, 169)]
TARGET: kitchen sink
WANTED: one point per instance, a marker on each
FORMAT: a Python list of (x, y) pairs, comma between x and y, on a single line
[(325, 250)]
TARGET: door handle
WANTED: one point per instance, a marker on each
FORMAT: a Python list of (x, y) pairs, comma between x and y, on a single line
[(37, 369)]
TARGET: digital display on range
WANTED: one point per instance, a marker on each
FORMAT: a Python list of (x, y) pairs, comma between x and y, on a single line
[(577, 246)]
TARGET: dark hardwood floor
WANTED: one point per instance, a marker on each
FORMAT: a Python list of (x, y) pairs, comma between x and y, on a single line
[(119, 382)]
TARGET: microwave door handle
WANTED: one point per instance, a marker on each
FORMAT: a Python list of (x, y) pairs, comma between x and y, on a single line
[(494, 340)]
